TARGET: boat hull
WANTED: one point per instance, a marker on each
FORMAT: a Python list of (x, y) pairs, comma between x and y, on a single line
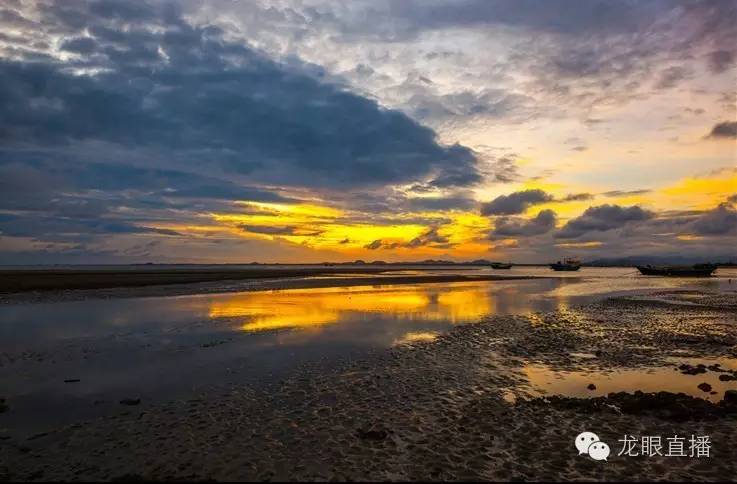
[(704, 270)]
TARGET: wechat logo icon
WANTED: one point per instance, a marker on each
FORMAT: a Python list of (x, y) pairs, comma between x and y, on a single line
[(589, 443)]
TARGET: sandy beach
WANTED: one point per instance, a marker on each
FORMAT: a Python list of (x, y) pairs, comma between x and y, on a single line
[(501, 398)]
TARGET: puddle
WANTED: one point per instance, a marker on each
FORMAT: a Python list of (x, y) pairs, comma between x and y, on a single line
[(545, 381)]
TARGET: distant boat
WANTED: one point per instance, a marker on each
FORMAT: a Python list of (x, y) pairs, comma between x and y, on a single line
[(696, 270), (568, 264), (501, 265)]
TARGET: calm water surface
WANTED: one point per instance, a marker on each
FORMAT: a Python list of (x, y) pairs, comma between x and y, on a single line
[(168, 347)]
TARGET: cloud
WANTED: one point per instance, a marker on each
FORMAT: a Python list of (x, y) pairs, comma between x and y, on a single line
[(429, 238), (440, 203), (602, 218), (518, 227), (672, 76), (720, 61), (505, 170), (577, 197), (725, 129), (515, 203), (719, 221), (183, 92), (625, 193)]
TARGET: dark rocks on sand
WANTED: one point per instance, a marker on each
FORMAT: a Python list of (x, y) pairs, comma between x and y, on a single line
[(687, 369), (704, 387), (130, 401), (727, 377), (591, 386), (375, 434), (662, 405)]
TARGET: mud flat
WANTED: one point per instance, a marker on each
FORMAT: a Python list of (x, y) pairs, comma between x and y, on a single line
[(465, 405)]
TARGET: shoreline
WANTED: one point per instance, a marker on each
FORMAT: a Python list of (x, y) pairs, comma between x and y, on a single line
[(68, 291), (463, 406)]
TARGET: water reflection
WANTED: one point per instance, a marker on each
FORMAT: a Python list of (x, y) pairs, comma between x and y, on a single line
[(262, 311), (545, 381)]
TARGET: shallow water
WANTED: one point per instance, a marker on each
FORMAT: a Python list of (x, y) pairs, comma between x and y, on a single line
[(160, 348), (544, 380)]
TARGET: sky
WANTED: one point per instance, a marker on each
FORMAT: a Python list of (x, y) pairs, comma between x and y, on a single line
[(303, 131)]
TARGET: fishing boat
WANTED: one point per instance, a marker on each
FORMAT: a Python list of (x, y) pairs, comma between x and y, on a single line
[(501, 265), (568, 264), (696, 270)]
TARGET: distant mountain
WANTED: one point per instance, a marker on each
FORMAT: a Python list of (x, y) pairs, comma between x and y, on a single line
[(636, 260)]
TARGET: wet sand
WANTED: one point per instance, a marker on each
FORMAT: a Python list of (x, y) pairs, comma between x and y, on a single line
[(460, 406)]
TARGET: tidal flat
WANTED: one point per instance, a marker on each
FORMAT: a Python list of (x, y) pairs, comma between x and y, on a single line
[(478, 380)]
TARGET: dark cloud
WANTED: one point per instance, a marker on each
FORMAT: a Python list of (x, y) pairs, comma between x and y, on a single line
[(515, 203), (429, 238), (577, 197), (719, 221), (720, 61), (543, 223), (179, 89), (602, 218), (623, 193), (726, 129), (380, 244), (279, 230)]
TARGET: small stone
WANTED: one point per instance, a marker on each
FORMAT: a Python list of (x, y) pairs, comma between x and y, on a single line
[(704, 387), (591, 386), (72, 380), (730, 396), (130, 401), (727, 377)]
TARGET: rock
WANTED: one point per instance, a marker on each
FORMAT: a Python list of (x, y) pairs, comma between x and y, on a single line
[(704, 387), (727, 377), (730, 396), (130, 401), (3, 405), (591, 386), (687, 369), (372, 434), (72, 380)]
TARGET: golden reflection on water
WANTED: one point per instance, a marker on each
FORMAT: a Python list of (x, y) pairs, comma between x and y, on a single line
[(545, 380), (313, 308)]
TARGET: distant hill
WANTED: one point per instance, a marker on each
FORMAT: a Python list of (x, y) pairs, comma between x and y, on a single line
[(661, 260)]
